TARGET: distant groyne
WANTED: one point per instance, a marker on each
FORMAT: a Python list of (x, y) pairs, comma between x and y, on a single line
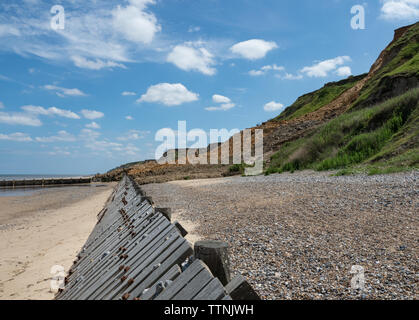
[(44, 182)]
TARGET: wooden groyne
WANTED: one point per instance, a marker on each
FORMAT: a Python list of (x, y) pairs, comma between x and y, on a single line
[(135, 252), (43, 182)]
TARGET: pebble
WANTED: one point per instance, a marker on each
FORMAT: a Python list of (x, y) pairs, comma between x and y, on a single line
[(297, 236)]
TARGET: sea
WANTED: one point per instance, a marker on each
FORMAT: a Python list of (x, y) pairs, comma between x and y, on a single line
[(25, 191)]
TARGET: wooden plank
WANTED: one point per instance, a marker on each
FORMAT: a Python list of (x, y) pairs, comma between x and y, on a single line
[(99, 285), (194, 269), (107, 238), (145, 268), (116, 235), (110, 246), (212, 291), (159, 229), (240, 289), (194, 286), (181, 229), (170, 275), (175, 259), (113, 245), (102, 279)]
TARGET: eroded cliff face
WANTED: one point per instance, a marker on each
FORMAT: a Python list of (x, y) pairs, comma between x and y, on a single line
[(395, 71)]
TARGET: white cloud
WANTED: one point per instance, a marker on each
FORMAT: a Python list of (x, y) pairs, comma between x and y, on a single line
[(129, 118), (321, 69), (1, 105), (18, 136), (273, 106), (89, 135), (265, 69), (103, 145), (95, 64), (62, 136), (109, 148), (60, 151), (220, 99), (130, 150), (92, 114), (93, 125), (188, 58), (53, 111), (289, 76), (133, 135), (253, 49), (223, 107), (97, 34), (168, 94), (63, 113), (400, 9), (256, 73), (272, 67), (226, 103), (344, 71), (22, 119), (134, 24), (128, 93), (62, 92), (8, 30), (194, 29)]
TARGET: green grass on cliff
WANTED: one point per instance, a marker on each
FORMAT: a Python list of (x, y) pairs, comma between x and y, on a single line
[(318, 99), (383, 137), (410, 67), (402, 59), (405, 63)]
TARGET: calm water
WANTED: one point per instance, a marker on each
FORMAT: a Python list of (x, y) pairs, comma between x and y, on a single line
[(17, 192)]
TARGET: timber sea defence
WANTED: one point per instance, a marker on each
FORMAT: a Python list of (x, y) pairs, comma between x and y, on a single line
[(44, 182)]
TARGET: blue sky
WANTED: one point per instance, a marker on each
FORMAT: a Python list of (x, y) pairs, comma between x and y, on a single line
[(91, 96)]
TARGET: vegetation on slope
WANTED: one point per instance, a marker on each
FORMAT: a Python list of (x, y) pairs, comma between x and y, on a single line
[(400, 71), (385, 135), (378, 133), (373, 134), (315, 100)]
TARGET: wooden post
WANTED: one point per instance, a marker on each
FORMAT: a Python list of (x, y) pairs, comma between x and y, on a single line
[(167, 212), (215, 255)]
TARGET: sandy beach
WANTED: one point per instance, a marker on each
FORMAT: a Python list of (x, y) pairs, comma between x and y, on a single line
[(43, 229)]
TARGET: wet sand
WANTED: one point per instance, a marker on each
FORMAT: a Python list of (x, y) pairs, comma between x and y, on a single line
[(43, 229)]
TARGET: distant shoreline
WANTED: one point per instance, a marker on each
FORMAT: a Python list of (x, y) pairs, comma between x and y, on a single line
[(45, 182)]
